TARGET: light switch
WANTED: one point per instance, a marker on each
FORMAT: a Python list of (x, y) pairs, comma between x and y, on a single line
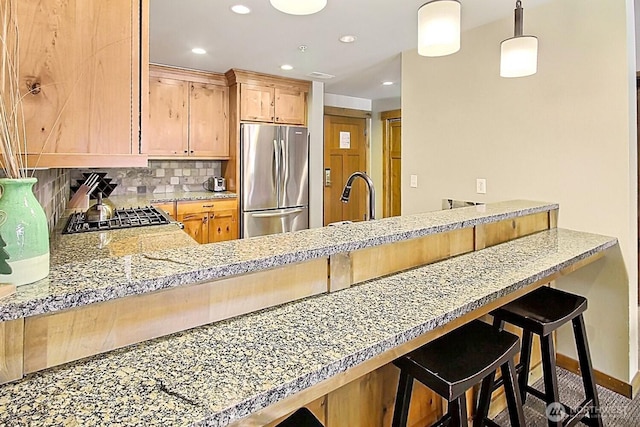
[(414, 181), (481, 186)]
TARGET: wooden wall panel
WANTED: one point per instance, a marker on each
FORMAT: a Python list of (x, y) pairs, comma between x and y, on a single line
[(509, 229), (72, 334), (377, 261), (11, 350)]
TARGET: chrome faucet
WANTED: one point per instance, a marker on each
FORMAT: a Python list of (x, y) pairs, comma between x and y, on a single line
[(372, 192)]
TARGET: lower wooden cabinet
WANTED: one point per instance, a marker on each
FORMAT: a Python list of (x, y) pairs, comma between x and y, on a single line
[(209, 221)]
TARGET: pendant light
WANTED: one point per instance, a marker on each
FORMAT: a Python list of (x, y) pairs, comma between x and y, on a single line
[(439, 28), (299, 7), (519, 54)]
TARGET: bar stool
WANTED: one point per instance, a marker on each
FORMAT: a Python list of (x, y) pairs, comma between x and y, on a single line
[(301, 418), (541, 312), (455, 362)]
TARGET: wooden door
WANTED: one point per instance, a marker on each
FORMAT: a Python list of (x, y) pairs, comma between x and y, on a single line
[(168, 125), (223, 225), (208, 120), (345, 152), (81, 60), (195, 225), (290, 106), (256, 103), (392, 160)]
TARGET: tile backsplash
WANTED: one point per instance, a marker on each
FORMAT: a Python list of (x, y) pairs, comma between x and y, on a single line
[(162, 176), (52, 191)]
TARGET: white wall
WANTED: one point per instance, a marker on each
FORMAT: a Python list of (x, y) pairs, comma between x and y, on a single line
[(343, 101), (315, 120), (566, 134)]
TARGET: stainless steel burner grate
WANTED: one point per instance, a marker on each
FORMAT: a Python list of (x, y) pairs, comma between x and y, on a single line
[(122, 218)]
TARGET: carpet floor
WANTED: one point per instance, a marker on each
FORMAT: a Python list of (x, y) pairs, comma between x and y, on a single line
[(616, 410)]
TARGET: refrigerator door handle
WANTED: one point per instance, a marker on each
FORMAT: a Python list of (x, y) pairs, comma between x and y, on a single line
[(276, 173), (277, 214)]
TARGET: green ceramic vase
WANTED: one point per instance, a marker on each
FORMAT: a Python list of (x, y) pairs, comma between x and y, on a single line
[(25, 232)]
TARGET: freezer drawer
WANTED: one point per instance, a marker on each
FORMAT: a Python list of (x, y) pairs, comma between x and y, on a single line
[(260, 223)]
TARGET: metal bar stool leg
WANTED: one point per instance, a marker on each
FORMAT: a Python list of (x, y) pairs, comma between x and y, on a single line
[(525, 362), (512, 393), (549, 373), (403, 399), (586, 368)]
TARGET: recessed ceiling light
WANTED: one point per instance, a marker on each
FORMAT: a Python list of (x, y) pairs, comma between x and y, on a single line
[(387, 83), (240, 9), (198, 50), (286, 67), (348, 38)]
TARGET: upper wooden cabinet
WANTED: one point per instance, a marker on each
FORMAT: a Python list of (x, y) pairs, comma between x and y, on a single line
[(270, 99), (188, 114), (81, 81)]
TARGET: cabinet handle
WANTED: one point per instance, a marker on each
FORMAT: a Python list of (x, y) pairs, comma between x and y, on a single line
[(207, 206), (205, 219), (185, 151), (227, 228), (191, 151), (224, 216), (219, 231)]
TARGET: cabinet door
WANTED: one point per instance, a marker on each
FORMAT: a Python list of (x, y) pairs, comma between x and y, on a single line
[(167, 133), (81, 59), (196, 226), (290, 106), (256, 103), (208, 120), (223, 225)]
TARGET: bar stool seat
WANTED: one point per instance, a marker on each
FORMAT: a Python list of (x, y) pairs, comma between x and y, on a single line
[(541, 312), (455, 362), (301, 418)]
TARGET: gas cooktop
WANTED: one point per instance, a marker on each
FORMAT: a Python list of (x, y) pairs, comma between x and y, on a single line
[(122, 218)]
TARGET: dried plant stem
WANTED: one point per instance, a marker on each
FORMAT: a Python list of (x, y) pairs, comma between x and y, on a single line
[(12, 126)]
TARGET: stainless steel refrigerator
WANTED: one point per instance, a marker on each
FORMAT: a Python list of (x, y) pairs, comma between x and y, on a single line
[(274, 179)]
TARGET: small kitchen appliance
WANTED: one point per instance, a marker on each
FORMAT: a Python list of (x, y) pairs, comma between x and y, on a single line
[(217, 183)]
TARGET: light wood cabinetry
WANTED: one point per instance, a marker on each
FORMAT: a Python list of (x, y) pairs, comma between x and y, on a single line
[(169, 208), (188, 114), (256, 97), (209, 221), (81, 81), (272, 104)]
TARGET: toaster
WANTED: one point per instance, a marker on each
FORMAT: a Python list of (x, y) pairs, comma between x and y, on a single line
[(217, 183)]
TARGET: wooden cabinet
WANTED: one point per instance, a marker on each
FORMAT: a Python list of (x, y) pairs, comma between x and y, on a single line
[(272, 104), (209, 221), (169, 208), (81, 81), (188, 114), (256, 97)]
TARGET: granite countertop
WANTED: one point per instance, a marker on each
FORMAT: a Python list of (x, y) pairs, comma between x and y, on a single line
[(146, 199), (218, 373), (75, 284)]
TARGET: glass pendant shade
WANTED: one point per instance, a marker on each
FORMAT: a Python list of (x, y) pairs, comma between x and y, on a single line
[(299, 7), (439, 28), (519, 56)]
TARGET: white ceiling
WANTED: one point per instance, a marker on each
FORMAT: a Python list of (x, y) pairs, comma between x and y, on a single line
[(266, 38)]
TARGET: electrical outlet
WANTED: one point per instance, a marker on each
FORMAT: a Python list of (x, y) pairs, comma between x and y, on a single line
[(414, 181), (481, 186)]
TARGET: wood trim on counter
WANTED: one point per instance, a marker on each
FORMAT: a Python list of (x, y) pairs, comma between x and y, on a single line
[(11, 350), (314, 392), (53, 339), (494, 233), (378, 261)]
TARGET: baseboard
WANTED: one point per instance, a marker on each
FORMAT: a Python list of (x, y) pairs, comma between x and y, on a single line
[(602, 379)]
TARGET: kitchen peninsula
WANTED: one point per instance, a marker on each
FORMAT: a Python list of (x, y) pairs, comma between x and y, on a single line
[(268, 362)]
